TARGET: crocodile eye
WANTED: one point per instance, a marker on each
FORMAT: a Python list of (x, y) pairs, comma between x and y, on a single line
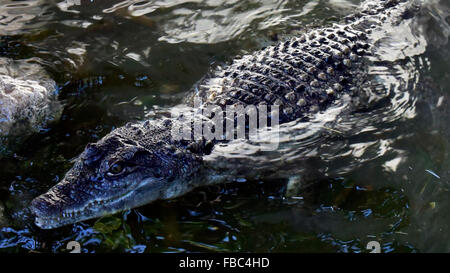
[(116, 169)]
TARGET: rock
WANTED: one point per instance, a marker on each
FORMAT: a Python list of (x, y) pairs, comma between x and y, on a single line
[(28, 97), (2, 215)]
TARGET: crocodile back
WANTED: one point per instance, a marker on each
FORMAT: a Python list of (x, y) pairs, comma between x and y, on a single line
[(305, 74)]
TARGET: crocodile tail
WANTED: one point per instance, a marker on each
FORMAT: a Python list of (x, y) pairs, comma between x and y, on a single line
[(372, 13)]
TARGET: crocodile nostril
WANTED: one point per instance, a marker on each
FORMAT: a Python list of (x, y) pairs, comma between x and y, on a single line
[(38, 205), (41, 207)]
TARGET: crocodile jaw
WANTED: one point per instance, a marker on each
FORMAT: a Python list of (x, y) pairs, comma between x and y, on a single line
[(51, 215)]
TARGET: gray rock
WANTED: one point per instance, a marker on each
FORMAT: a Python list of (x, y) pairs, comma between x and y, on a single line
[(28, 97)]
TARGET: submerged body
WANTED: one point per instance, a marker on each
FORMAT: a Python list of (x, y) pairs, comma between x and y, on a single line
[(139, 163)]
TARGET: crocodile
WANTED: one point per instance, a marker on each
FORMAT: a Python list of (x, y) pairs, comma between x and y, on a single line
[(142, 162)]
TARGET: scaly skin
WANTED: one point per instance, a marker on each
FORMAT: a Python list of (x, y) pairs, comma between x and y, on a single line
[(139, 163)]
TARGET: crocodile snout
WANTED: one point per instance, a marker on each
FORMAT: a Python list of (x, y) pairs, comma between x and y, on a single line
[(41, 207)]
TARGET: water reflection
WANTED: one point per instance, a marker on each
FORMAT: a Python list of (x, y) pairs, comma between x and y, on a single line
[(19, 17)]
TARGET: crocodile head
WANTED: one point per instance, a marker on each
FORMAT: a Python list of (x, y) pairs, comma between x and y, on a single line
[(130, 167)]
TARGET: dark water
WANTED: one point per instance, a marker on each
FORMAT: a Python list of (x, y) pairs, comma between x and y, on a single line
[(117, 61)]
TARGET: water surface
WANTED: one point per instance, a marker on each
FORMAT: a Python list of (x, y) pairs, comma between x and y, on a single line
[(386, 179)]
